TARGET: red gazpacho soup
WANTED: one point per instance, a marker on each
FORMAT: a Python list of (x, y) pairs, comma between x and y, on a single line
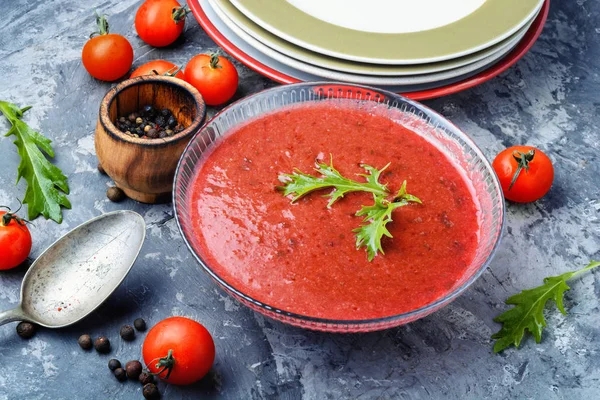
[(301, 257)]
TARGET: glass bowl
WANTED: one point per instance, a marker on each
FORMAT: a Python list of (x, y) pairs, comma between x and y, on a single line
[(439, 131)]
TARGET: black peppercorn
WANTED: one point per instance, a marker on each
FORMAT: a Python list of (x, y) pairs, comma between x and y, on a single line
[(132, 117), (165, 112), (85, 342), (162, 134), (115, 194), (113, 364), (140, 324), (26, 330), (151, 392), (171, 122), (127, 332), (133, 369), (102, 345), (152, 133), (160, 120), (146, 378), (120, 374), (149, 110)]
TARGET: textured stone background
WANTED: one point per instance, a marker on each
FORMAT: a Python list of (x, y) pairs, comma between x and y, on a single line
[(550, 99)]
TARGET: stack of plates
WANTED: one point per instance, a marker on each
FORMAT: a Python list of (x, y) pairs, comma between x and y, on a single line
[(423, 49)]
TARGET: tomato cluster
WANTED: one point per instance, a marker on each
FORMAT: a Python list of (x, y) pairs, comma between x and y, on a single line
[(108, 56)]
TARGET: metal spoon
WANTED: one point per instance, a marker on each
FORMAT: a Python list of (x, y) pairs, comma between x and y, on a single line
[(79, 271)]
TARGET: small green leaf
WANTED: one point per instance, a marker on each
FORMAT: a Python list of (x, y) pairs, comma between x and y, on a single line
[(46, 184), (528, 313), (376, 218), (299, 184)]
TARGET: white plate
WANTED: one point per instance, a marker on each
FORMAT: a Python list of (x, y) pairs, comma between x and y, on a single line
[(301, 75), (346, 28), (336, 64), (364, 79)]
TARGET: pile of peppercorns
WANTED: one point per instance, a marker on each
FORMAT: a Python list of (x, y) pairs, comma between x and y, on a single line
[(133, 369), (149, 123)]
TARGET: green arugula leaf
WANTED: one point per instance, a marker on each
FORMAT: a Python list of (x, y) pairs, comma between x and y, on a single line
[(377, 217), (300, 184), (528, 313), (46, 184)]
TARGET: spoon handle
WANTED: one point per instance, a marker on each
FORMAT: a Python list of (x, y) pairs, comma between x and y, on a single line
[(16, 314)]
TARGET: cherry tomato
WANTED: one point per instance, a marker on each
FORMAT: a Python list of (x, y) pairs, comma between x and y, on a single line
[(160, 67), (107, 56), (15, 240), (160, 22), (525, 173), (179, 350), (214, 76)]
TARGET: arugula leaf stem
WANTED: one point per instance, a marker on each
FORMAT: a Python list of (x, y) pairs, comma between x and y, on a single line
[(590, 266)]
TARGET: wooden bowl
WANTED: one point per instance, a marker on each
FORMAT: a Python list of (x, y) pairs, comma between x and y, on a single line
[(144, 168)]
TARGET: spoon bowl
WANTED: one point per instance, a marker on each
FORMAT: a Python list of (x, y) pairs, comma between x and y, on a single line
[(79, 271)]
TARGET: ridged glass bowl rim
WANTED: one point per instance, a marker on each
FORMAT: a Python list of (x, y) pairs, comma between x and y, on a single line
[(428, 112)]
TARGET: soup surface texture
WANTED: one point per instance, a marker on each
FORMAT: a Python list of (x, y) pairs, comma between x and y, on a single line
[(302, 257)]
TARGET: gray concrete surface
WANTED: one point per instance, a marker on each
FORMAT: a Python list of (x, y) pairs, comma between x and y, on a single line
[(550, 99)]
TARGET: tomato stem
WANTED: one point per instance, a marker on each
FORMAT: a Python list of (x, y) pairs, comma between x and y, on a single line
[(523, 160), (102, 23), (12, 216), (214, 61), (170, 72), (178, 14), (173, 71), (165, 364)]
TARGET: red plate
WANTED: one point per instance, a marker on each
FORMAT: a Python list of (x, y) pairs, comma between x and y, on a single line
[(504, 64)]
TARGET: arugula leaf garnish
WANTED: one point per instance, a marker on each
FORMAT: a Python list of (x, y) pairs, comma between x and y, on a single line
[(300, 184), (46, 184), (528, 313), (377, 216)]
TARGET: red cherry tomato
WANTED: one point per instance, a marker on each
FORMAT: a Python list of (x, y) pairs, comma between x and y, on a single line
[(179, 350), (214, 76), (15, 241), (107, 56), (160, 22), (160, 67), (525, 173)]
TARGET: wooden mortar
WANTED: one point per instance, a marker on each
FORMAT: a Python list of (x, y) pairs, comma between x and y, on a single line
[(144, 168)]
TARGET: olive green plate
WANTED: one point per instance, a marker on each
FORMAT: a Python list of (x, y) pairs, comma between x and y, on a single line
[(354, 67), (491, 23)]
